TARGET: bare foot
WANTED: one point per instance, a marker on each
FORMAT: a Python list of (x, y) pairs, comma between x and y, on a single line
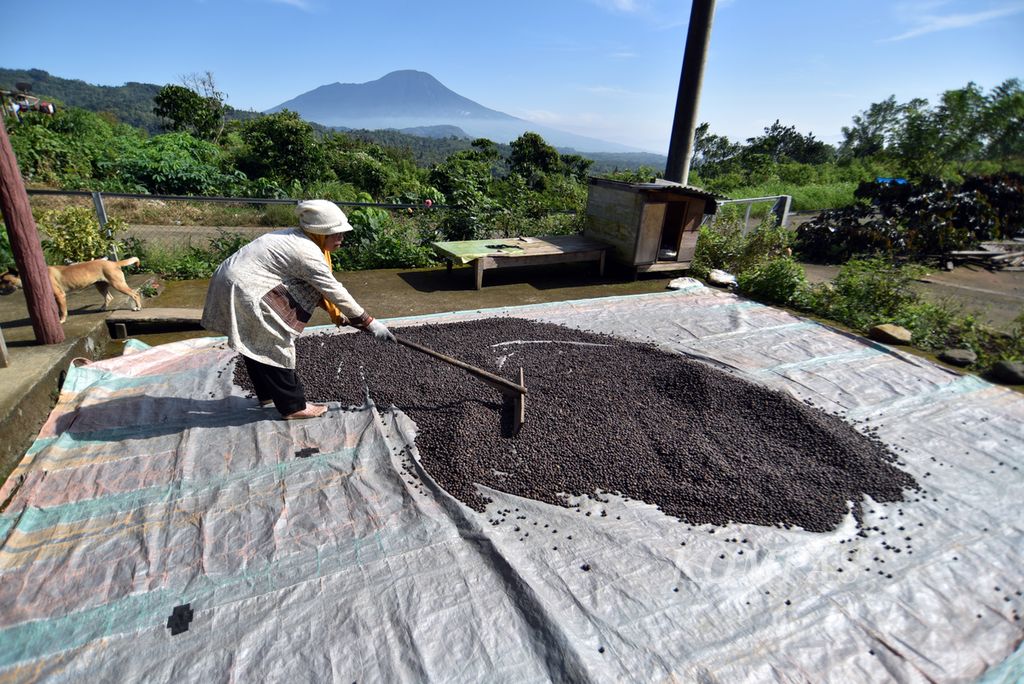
[(311, 411)]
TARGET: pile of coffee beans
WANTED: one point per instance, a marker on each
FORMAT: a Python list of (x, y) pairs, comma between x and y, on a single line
[(607, 416)]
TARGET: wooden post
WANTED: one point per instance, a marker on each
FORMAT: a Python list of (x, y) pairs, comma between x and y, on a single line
[(28, 251), (5, 359)]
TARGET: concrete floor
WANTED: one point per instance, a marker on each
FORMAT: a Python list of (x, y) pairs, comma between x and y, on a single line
[(30, 385)]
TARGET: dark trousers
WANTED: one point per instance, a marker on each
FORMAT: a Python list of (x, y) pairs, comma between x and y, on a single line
[(280, 384)]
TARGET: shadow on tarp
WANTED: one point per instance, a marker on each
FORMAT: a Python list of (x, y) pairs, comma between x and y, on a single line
[(162, 415)]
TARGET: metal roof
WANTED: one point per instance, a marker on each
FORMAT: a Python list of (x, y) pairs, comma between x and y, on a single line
[(658, 185)]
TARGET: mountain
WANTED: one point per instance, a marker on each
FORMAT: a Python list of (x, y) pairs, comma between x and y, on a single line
[(132, 103), (411, 99)]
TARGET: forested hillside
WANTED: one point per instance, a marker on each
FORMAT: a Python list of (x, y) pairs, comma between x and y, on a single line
[(131, 103), (203, 147)]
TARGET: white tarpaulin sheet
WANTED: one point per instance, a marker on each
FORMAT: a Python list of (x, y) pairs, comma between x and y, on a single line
[(319, 550)]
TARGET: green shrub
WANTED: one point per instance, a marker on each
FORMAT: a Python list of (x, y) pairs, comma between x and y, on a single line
[(224, 245), (722, 245), (379, 241), (932, 325), (73, 234), (866, 292), (718, 246), (871, 291), (777, 281)]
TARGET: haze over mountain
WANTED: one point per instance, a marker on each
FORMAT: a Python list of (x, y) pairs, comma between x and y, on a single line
[(408, 99)]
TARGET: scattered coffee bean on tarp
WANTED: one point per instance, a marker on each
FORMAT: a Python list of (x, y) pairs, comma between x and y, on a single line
[(606, 415)]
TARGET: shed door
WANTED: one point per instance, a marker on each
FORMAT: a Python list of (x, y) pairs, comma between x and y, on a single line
[(649, 239), (691, 228)]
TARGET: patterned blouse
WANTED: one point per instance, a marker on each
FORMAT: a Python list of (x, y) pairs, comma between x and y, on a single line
[(263, 295)]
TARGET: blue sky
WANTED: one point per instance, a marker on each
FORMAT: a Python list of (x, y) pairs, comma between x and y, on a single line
[(604, 68)]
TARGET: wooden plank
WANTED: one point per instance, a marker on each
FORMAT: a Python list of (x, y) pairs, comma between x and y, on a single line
[(663, 266), (539, 259), (156, 315), (649, 236), (691, 229), (1006, 255)]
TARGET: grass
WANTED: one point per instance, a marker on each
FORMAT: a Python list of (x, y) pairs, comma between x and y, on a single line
[(815, 196)]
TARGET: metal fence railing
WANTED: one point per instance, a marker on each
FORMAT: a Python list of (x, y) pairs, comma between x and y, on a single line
[(780, 207), (172, 234)]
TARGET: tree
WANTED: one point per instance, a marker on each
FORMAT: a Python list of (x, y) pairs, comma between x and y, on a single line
[(917, 140), (966, 126), (873, 130), (465, 179), (532, 158), (196, 107), (212, 96), (185, 111), (711, 152), (1003, 121), (782, 143), (281, 147), (485, 150), (958, 119), (576, 166)]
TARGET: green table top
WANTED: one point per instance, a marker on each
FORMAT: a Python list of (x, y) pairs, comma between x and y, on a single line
[(465, 251)]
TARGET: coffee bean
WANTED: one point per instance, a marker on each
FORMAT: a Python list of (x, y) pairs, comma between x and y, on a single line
[(615, 416)]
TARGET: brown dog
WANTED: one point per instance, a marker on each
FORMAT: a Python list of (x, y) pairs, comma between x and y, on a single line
[(102, 273)]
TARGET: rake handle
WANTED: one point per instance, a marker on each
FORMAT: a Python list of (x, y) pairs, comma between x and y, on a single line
[(498, 382)]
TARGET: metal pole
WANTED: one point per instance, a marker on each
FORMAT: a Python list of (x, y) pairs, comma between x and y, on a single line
[(680, 147), (101, 216), (781, 209)]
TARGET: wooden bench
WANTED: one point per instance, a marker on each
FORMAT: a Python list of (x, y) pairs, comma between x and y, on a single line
[(521, 251)]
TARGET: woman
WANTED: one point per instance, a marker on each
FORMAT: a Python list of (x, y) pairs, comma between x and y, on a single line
[(263, 295)]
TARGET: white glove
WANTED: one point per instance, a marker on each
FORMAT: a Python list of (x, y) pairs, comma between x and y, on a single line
[(379, 330)]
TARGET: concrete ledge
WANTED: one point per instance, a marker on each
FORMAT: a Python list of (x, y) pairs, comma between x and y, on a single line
[(31, 386), (121, 324)]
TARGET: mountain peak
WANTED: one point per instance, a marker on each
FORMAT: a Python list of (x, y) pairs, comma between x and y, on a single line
[(409, 98), (408, 75), (398, 95)]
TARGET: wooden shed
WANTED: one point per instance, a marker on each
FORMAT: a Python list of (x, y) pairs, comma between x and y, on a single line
[(649, 226)]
